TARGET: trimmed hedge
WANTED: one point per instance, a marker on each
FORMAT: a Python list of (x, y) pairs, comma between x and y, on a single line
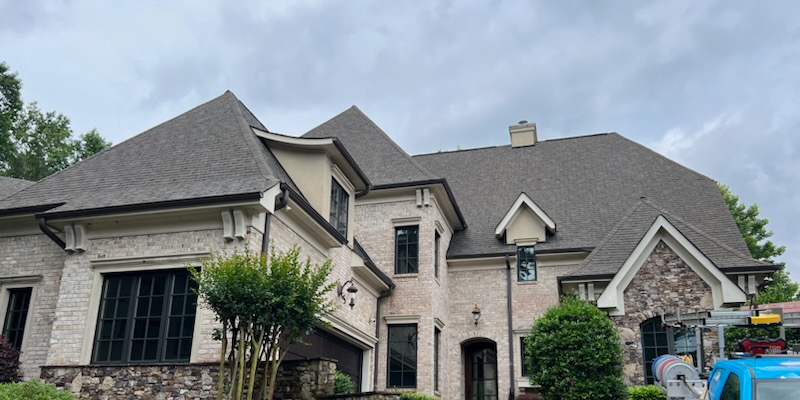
[(416, 396), (33, 390), (648, 392), (574, 352)]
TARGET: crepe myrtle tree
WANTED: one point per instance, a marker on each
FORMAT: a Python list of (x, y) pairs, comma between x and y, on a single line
[(265, 304), (573, 352)]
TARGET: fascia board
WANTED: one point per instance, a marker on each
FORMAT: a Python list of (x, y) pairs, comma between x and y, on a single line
[(512, 212)]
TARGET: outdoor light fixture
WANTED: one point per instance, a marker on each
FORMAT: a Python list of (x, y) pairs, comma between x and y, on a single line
[(476, 314), (351, 289)]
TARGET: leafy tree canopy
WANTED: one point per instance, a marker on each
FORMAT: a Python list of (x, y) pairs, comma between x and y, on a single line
[(781, 289), (574, 353), (35, 143)]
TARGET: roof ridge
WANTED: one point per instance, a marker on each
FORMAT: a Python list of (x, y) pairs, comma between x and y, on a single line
[(392, 142), (609, 236), (248, 135), (501, 146), (700, 232)]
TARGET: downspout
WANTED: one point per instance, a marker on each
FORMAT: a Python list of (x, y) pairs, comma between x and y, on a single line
[(378, 335), (49, 232), (268, 218), (510, 331)]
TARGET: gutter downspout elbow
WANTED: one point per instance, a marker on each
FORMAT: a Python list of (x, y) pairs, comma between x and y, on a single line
[(378, 335), (49, 232), (510, 331), (268, 218)]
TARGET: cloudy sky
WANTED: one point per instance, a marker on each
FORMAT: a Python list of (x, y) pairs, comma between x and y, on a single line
[(714, 85)]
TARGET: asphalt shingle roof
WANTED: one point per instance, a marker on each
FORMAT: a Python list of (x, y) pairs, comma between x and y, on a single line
[(620, 242), (381, 159), (209, 151), (9, 186), (586, 185)]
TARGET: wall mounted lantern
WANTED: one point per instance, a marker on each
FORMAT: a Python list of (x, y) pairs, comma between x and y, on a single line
[(351, 289), (476, 314)]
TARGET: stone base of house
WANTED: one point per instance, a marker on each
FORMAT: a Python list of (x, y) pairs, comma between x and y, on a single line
[(297, 380)]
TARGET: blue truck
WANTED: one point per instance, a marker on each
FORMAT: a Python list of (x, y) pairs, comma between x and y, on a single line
[(764, 377)]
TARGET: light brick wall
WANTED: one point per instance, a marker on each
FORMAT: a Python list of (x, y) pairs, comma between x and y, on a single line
[(34, 255), (420, 294), (283, 237), (73, 308)]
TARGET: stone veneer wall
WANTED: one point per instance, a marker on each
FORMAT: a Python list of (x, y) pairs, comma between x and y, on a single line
[(664, 284), (297, 380)]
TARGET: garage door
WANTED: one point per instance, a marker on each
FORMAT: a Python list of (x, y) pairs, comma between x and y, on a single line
[(323, 344)]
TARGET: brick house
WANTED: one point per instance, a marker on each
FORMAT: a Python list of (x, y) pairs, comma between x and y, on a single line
[(454, 254)]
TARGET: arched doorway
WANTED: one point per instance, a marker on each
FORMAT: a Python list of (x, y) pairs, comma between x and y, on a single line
[(480, 370)]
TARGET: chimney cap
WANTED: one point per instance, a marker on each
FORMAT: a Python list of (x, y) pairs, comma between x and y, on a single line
[(522, 122)]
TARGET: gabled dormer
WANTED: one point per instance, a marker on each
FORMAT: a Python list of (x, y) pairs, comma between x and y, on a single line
[(525, 223), (324, 172)]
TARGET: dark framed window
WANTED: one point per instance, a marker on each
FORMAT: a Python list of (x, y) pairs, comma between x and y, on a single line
[(406, 250), (146, 317), (526, 264), (340, 203), (523, 357), (19, 301), (658, 340), (402, 368), (437, 238), (436, 342)]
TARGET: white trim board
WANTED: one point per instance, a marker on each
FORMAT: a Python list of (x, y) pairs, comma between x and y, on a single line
[(515, 209), (723, 290)]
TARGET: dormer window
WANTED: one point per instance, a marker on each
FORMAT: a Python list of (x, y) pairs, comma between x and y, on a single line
[(526, 264), (340, 203)]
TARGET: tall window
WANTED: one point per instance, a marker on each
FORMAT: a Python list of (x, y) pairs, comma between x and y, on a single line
[(340, 201), (523, 357), (526, 264), (406, 250), (436, 342), (16, 314), (437, 238), (402, 368), (146, 317)]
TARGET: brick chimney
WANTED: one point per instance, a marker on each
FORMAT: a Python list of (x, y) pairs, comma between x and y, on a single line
[(523, 134)]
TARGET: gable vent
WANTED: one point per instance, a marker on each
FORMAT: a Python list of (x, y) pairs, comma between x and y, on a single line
[(523, 134)]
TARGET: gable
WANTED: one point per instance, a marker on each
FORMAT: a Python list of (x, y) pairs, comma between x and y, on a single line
[(724, 292), (525, 222)]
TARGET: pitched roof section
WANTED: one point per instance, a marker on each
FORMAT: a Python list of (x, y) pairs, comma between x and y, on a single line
[(586, 184), (209, 152), (524, 199), (9, 186), (621, 241), (383, 161)]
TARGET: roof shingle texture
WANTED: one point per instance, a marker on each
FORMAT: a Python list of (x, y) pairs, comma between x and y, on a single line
[(381, 159), (9, 186), (208, 151), (586, 185)]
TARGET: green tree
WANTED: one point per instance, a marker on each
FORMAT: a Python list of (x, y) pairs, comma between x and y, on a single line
[(10, 106), (574, 353), (265, 305), (34, 143), (755, 233), (781, 289)]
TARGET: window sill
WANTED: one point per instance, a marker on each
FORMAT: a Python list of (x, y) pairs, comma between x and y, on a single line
[(404, 276), (527, 282)]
